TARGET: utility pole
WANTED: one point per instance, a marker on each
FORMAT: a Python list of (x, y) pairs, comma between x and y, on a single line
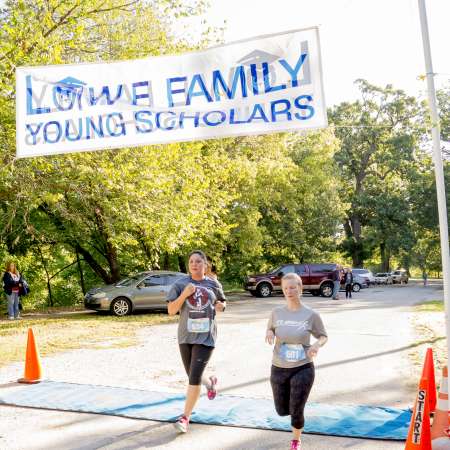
[(438, 166)]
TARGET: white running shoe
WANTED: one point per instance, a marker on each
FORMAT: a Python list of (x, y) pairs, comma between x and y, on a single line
[(182, 424)]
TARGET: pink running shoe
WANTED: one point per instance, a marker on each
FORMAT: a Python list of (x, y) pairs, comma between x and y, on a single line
[(296, 445), (212, 391), (182, 424)]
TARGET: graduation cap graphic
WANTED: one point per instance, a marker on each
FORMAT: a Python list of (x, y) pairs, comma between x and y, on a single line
[(258, 56), (70, 84), (65, 91)]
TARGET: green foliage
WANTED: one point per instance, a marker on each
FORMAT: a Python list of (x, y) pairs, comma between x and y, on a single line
[(363, 190), (379, 160), (443, 97)]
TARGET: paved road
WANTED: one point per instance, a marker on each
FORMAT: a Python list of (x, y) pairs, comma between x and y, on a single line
[(365, 362)]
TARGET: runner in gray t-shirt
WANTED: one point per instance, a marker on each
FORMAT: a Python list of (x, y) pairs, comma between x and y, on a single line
[(196, 298), (292, 375), (197, 324)]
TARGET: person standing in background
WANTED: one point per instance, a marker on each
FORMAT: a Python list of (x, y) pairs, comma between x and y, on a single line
[(348, 282), (336, 277), (12, 284)]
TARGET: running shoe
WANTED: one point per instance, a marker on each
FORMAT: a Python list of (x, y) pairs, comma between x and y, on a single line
[(212, 391), (182, 424), (296, 445)]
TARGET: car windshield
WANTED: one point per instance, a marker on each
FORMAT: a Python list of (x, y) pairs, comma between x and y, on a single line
[(360, 270), (275, 270), (129, 281)]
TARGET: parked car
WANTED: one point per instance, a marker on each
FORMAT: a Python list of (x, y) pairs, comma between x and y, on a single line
[(400, 276), (383, 278), (359, 282), (145, 290), (365, 273), (316, 279)]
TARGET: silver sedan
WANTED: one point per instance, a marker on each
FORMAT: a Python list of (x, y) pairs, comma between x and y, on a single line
[(383, 278), (145, 290)]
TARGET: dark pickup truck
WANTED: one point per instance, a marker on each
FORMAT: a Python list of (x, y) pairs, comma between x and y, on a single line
[(316, 278)]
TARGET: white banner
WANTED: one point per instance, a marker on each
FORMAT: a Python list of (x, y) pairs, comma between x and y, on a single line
[(261, 85)]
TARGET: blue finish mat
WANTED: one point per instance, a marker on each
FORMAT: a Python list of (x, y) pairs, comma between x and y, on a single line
[(230, 410)]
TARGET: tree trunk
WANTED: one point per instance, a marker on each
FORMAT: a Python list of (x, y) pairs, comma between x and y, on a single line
[(80, 270), (95, 266), (111, 250), (49, 286), (385, 255), (113, 262), (165, 261), (90, 260), (357, 248), (182, 264)]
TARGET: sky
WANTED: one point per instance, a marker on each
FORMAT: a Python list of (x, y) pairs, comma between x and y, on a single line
[(378, 40)]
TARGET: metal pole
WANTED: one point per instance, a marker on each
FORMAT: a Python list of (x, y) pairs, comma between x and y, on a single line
[(438, 166)]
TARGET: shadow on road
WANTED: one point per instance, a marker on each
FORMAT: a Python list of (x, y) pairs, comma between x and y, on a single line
[(344, 361)]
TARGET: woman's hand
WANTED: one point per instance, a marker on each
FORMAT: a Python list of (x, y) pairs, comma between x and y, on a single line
[(313, 350), (188, 290), (270, 337)]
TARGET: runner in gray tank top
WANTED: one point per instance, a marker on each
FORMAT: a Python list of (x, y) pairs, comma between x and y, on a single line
[(292, 375)]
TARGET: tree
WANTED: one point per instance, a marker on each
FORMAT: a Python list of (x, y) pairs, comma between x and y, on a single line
[(78, 201), (379, 137), (443, 97), (287, 207)]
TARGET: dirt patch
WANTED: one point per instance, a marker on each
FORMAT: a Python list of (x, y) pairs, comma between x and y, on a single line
[(429, 324)]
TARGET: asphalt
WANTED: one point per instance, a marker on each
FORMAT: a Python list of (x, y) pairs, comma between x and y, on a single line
[(366, 361)]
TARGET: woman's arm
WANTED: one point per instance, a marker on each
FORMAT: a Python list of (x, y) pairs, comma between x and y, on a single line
[(8, 281), (270, 330), (174, 306), (220, 305), (314, 349)]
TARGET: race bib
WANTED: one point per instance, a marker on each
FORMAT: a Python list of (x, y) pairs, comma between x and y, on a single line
[(292, 352), (198, 324)]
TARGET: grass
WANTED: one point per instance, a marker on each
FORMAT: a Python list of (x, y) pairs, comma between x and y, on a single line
[(73, 331), (232, 287), (431, 306)]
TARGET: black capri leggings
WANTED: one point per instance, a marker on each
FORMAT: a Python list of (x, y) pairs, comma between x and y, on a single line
[(348, 290), (291, 389), (195, 358)]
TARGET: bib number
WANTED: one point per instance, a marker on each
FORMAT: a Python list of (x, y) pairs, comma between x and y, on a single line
[(292, 352), (198, 324)]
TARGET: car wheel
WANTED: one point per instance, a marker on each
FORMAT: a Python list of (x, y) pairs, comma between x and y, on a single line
[(121, 306), (264, 290), (326, 290), (356, 287)]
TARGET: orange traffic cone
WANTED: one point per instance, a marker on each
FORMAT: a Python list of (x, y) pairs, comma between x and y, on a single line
[(428, 373), (33, 369), (419, 435), (441, 416)]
